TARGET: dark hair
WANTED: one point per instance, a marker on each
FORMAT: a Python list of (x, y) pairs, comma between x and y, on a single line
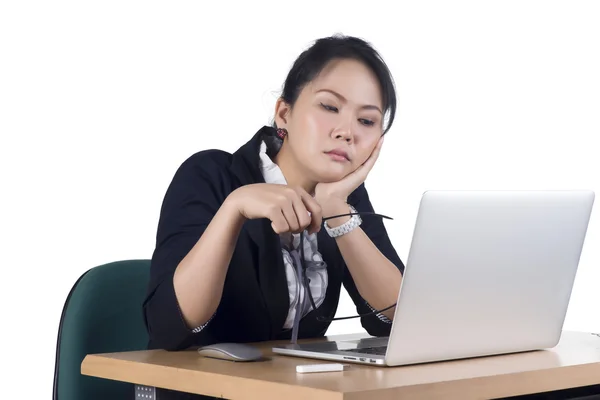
[(312, 61)]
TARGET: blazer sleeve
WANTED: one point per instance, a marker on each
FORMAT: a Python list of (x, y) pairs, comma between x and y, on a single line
[(190, 202), (373, 226)]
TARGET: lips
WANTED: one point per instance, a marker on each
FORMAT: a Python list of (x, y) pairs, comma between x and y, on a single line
[(339, 154)]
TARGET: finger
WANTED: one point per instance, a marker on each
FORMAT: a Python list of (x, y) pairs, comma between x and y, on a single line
[(316, 214), (279, 222), (363, 171), (374, 154), (289, 213), (301, 212)]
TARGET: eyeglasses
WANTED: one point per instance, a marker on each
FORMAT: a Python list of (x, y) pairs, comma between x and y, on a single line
[(302, 265)]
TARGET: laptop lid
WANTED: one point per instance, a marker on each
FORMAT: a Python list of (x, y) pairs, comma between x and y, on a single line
[(488, 272)]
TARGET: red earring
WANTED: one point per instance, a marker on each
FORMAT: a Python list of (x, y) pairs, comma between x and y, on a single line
[(281, 133)]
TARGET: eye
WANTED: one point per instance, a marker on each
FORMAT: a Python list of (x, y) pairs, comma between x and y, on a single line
[(366, 122), (329, 108)]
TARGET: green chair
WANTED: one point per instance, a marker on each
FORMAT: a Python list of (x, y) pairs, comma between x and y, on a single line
[(102, 314)]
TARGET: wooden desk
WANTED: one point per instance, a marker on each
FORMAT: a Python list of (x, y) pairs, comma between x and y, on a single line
[(574, 362)]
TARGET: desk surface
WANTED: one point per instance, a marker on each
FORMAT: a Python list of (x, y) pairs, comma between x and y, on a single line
[(574, 362)]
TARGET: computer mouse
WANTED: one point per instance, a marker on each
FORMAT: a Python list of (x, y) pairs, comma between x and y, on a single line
[(231, 352)]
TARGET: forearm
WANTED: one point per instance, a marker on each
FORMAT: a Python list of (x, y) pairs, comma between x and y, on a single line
[(376, 278), (200, 276)]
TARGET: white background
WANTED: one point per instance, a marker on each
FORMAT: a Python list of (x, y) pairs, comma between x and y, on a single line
[(101, 101)]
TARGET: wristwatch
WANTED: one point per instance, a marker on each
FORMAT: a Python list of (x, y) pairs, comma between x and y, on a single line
[(346, 227)]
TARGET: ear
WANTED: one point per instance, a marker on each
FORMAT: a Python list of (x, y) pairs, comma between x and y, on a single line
[(282, 112)]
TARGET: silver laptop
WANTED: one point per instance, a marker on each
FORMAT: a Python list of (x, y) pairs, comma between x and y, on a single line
[(488, 272)]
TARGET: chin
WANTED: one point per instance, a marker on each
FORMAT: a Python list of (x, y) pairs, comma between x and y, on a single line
[(330, 175), (328, 171)]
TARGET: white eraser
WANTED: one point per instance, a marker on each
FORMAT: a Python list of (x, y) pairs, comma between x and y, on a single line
[(305, 369)]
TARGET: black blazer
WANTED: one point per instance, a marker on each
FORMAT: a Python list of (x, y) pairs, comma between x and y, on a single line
[(255, 301)]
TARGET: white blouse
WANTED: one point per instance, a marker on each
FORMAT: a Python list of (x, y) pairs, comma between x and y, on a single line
[(290, 243)]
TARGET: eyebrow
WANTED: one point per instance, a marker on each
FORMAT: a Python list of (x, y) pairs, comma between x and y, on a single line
[(342, 98)]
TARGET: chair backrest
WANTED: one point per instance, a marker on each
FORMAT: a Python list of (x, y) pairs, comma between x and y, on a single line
[(102, 314)]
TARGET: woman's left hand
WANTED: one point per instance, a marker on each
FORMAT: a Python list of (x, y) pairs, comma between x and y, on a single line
[(332, 196)]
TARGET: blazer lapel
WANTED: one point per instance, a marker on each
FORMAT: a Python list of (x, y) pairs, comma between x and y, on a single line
[(271, 270)]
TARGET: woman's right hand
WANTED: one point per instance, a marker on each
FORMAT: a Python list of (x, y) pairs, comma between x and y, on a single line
[(290, 209)]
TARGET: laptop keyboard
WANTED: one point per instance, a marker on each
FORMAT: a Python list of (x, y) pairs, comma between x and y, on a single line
[(377, 350)]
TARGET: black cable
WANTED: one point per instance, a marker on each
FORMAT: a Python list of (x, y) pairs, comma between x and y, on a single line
[(307, 280), (358, 213)]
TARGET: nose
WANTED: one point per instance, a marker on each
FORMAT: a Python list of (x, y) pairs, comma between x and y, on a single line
[(344, 132)]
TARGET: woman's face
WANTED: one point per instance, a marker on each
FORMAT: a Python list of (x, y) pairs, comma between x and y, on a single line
[(335, 123)]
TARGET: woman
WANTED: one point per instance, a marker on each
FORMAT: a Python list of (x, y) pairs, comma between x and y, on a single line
[(227, 258)]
